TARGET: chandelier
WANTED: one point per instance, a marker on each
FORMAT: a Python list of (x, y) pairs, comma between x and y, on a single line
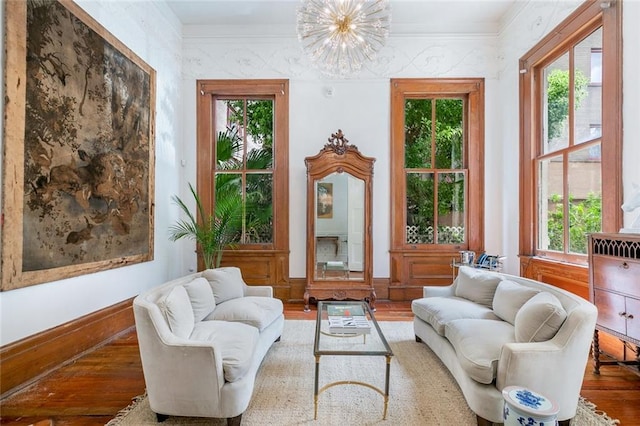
[(340, 35)]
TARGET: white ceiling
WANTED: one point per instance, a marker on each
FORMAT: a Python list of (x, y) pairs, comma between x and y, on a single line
[(407, 16)]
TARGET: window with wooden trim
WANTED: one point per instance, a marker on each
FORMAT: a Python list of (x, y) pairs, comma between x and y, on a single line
[(242, 154), (436, 157), (571, 129), (243, 168)]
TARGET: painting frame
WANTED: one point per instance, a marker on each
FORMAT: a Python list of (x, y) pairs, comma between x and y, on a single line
[(324, 200), (80, 199)]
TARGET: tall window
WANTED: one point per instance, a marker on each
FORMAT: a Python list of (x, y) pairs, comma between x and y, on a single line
[(243, 169), (242, 155), (435, 171), (437, 152), (571, 129)]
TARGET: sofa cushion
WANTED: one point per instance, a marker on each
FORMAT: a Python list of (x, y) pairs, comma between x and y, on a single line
[(226, 283), (438, 311), (255, 311), (509, 298), (540, 318), (478, 344), (476, 285), (236, 343), (177, 309), (201, 297)]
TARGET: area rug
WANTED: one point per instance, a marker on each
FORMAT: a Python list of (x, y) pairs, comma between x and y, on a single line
[(422, 392)]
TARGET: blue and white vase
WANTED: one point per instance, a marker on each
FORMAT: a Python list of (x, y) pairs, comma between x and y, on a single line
[(523, 407)]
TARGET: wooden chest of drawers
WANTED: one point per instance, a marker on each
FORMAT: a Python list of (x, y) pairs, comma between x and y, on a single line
[(614, 287)]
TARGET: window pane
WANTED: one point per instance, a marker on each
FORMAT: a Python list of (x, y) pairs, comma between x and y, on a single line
[(417, 138), (449, 133), (259, 222), (451, 208), (596, 64), (229, 145), (588, 97), (259, 134), (420, 213), (556, 108), (585, 196), (550, 207), (228, 207)]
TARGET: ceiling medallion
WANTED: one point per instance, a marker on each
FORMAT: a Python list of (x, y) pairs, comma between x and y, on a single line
[(340, 35)]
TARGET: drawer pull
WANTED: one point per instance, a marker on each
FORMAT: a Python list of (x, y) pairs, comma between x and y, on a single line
[(624, 265), (629, 316), (622, 314)]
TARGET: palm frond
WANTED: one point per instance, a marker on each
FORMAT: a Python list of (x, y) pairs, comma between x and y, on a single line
[(212, 233)]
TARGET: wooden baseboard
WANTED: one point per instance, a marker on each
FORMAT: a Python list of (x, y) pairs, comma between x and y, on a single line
[(24, 361)]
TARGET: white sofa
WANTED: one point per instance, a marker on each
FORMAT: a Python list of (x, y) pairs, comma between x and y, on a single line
[(202, 339), (494, 330)]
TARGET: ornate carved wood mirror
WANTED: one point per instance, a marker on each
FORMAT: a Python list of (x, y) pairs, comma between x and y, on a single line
[(339, 252)]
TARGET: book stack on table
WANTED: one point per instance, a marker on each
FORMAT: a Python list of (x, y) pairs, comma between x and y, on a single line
[(347, 319)]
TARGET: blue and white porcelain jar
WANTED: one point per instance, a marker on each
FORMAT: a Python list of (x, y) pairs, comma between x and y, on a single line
[(525, 407)]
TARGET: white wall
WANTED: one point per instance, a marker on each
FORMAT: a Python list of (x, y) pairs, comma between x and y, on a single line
[(154, 34)]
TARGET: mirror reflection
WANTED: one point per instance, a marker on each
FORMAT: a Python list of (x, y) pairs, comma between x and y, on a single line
[(339, 227)]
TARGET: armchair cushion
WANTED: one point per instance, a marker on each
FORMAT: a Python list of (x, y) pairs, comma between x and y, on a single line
[(176, 307), (540, 318), (236, 342), (201, 297), (476, 285), (226, 283), (509, 298), (438, 311), (258, 312)]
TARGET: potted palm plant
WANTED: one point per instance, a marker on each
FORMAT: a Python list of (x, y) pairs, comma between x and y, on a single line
[(212, 233)]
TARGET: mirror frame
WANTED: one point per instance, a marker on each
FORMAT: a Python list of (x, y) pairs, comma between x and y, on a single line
[(338, 156)]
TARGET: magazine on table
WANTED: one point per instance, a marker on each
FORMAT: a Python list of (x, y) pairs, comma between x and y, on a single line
[(348, 319)]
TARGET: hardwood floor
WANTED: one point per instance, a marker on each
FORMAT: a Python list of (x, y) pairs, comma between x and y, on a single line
[(91, 390)]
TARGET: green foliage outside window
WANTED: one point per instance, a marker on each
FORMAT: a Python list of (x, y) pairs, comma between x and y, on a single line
[(257, 209), (421, 180), (558, 98), (585, 217)]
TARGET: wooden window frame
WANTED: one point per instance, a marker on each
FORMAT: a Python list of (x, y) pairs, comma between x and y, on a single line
[(586, 18), (274, 269), (472, 91)]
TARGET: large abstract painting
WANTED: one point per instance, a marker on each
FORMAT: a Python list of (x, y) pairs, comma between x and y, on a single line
[(78, 147)]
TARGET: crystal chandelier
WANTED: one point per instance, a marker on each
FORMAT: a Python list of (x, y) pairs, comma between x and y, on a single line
[(339, 35)]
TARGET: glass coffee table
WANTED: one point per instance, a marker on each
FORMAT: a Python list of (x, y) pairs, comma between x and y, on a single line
[(349, 342)]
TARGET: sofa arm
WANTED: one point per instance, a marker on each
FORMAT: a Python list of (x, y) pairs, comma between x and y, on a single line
[(553, 370), (438, 291), (258, 290), (179, 372)]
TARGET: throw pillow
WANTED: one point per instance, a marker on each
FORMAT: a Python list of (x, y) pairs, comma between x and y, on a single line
[(226, 283), (509, 298), (177, 309), (540, 318), (201, 297), (476, 285)]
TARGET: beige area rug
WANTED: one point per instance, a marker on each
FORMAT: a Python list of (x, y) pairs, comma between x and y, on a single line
[(422, 392)]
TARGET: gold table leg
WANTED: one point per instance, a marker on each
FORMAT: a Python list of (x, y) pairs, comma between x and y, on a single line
[(385, 394)]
